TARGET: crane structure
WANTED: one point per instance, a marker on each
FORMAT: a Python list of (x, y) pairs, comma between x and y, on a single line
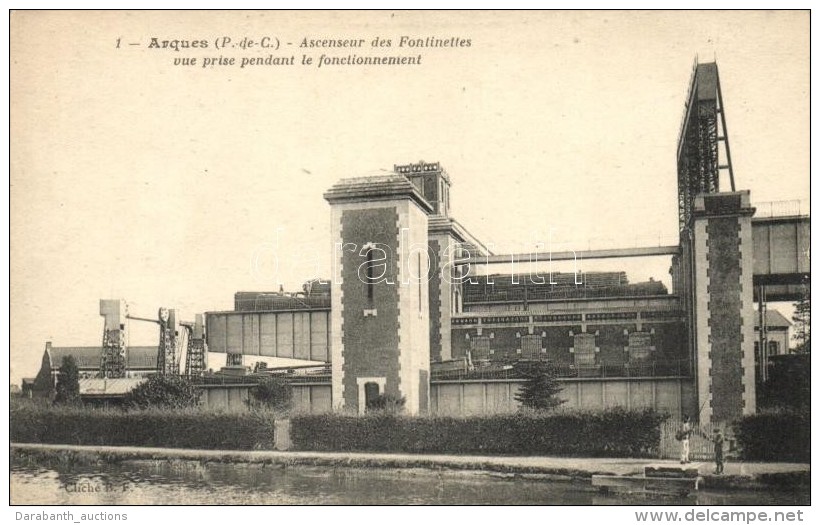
[(196, 353), (114, 358), (702, 131), (167, 358), (114, 355)]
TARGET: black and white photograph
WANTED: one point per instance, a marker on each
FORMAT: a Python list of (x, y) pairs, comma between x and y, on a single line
[(410, 257)]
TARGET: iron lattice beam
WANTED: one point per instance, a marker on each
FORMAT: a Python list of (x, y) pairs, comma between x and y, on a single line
[(114, 354), (195, 356), (167, 363), (703, 128), (165, 352)]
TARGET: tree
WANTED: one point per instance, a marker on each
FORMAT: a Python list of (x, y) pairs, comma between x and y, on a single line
[(68, 382), (802, 321), (273, 392), (541, 387), (164, 391), (789, 383)]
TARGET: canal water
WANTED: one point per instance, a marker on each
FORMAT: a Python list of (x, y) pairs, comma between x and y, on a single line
[(189, 482)]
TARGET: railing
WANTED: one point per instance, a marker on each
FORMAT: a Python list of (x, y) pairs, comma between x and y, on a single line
[(670, 368), (254, 379), (673, 368), (309, 378), (225, 379), (265, 302), (701, 448), (791, 208), (517, 294), (477, 374)]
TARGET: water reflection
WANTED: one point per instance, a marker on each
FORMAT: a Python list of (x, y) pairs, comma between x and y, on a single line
[(191, 482)]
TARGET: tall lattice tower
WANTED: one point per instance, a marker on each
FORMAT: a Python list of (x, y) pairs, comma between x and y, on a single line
[(167, 361), (195, 357), (114, 355), (703, 130)]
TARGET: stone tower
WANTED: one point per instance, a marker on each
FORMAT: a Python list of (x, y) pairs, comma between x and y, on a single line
[(380, 317), (723, 307)]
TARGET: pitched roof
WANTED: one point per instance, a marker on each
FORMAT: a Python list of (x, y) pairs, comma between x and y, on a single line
[(88, 357), (774, 319), (108, 387)]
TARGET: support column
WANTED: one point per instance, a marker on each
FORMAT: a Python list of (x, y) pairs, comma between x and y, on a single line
[(762, 356), (724, 309)]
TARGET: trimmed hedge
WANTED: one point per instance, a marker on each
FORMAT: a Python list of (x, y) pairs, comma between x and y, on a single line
[(775, 436), (144, 428), (610, 433)]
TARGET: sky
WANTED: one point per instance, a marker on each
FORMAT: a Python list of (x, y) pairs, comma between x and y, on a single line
[(161, 184)]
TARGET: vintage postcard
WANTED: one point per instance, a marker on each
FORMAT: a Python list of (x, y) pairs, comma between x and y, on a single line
[(409, 257)]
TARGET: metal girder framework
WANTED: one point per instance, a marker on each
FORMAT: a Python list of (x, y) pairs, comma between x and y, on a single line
[(113, 359), (168, 354), (195, 357), (195, 361), (167, 363), (114, 354), (702, 129)]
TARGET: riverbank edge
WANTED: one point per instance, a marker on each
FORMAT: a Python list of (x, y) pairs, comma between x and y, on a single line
[(495, 466)]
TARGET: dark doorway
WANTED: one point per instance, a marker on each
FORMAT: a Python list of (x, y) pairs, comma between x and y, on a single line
[(371, 395)]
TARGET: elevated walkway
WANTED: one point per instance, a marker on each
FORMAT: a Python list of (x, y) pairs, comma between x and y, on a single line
[(781, 236)]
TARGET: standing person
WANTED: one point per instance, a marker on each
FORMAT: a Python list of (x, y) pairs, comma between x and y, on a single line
[(718, 441), (684, 434)]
